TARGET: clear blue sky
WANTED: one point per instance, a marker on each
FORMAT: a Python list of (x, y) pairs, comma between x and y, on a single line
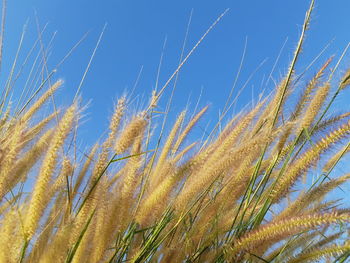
[(134, 38)]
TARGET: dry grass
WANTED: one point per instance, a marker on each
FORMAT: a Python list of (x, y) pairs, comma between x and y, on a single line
[(236, 196)]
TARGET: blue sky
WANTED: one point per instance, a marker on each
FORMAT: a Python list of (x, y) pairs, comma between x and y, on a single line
[(135, 35)]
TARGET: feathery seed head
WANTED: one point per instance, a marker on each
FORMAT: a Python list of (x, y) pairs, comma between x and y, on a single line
[(130, 133)]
